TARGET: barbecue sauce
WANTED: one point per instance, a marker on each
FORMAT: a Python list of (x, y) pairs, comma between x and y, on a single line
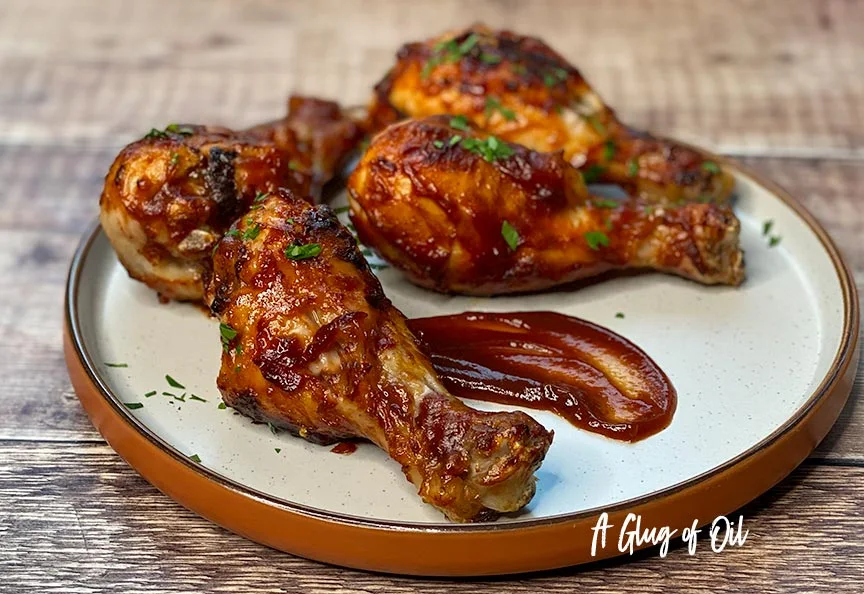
[(584, 373)]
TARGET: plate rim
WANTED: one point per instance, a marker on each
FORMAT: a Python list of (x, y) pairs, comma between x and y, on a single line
[(105, 409)]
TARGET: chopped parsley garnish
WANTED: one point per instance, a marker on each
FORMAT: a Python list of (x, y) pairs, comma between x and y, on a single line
[(150, 393), (302, 252), (711, 167), (774, 240), (609, 150), (116, 365), (222, 406), (555, 76), (605, 203), (261, 197), (491, 149), (233, 233), (227, 334), (766, 227), (596, 239), (181, 397), (178, 129), (273, 428), (339, 210), (195, 458), (133, 405), (493, 105), (154, 133), (510, 235), (596, 124), (198, 398), (460, 122), (518, 69), (593, 173), (175, 157), (439, 144), (619, 315), (278, 450), (487, 58), (252, 230), (454, 140), (632, 167), (174, 383), (449, 51)]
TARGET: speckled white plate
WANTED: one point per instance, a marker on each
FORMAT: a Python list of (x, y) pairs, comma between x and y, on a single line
[(749, 365)]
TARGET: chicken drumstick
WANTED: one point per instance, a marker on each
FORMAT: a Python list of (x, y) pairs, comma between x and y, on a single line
[(522, 91), (170, 196), (461, 211), (311, 344)]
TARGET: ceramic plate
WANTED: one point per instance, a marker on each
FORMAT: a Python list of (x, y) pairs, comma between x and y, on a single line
[(761, 372)]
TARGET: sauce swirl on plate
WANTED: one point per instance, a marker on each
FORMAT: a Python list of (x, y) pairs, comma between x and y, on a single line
[(587, 374)]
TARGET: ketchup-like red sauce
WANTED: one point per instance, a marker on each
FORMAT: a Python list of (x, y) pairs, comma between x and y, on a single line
[(589, 375)]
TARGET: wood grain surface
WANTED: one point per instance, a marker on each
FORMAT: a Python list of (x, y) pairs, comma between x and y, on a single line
[(776, 83)]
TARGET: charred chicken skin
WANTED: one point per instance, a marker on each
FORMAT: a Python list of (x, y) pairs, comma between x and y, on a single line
[(312, 345), (461, 211), (522, 91), (170, 196)]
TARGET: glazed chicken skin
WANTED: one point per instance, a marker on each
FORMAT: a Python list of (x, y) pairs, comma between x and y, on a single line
[(460, 211), (312, 345), (522, 91), (318, 129), (170, 196)]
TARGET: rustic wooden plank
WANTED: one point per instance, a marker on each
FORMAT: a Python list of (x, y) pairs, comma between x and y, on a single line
[(77, 519), (743, 77)]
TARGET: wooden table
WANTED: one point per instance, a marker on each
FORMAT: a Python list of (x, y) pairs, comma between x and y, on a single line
[(779, 85)]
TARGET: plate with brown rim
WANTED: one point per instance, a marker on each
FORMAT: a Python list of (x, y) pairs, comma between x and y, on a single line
[(761, 371)]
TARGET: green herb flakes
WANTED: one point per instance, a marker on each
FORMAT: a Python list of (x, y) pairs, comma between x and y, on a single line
[(711, 167), (491, 149), (493, 105), (252, 230), (593, 173), (133, 405), (510, 235), (174, 383), (596, 239), (460, 122), (302, 252)]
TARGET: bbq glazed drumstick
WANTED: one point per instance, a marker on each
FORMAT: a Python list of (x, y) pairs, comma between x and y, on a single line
[(311, 344), (464, 212), (522, 91), (170, 196)]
